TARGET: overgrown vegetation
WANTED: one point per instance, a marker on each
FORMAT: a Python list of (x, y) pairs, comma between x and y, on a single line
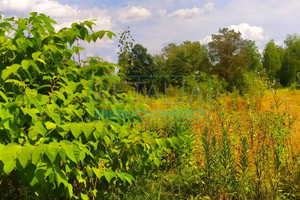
[(249, 151), (55, 144), (50, 145)]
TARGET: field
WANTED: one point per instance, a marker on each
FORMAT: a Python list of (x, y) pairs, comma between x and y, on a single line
[(250, 150), (73, 128)]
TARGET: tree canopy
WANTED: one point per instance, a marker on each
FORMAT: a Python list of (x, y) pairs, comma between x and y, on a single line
[(231, 55), (271, 59), (291, 61)]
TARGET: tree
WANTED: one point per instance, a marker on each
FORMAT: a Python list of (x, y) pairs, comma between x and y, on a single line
[(188, 58), (141, 65), (230, 55), (125, 44), (141, 61), (271, 60), (291, 61), (254, 56)]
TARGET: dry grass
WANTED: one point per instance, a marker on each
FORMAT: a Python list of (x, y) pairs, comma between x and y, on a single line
[(271, 124)]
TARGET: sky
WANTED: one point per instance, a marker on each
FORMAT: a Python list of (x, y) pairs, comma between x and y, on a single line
[(156, 23)]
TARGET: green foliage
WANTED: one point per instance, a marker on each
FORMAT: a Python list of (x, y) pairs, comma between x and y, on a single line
[(232, 55), (244, 172), (254, 85), (291, 61), (52, 143), (271, 59), (125, 44), (141, 61), (254, 57), (55, 145), (188, 58), (140, 64)]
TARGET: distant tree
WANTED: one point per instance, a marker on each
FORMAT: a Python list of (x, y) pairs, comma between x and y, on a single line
[(254, 57), (125, 45), (291, 61), (230, 55), (188, 58), (272, 59), (141, 64)]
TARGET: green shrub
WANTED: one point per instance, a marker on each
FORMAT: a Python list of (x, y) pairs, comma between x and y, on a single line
[(53, 144)]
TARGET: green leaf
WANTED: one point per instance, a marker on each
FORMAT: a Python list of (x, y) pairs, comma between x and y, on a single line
[(36, 55), (9, 166), (99, 132), (4, 97), (37, 129), (84, 196), (41, 60), (5, 25), (107, 140), (129, 178), (32, 133), (88, 130), (98, 172), (124, 132), (50, 125), (40, 127), (100, 34), (89, 23), (51, 151), (37, 153), (25, 155), (125, 177), (72, 150), (76, 130), (10, 70), (25, 64), (109, 174), (8, 155), (3, 121), (61, 177), (110, 35), (70, 190), (31, 112), (60, 95), (76, 49), (56, 117), (16, 82)]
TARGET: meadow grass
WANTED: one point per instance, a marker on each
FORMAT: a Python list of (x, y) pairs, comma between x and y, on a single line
[(250, 150)]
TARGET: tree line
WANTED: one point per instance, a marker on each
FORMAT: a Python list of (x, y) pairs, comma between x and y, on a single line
[(228, 56)]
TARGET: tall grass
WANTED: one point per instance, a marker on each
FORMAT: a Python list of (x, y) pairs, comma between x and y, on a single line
[(248, 151)]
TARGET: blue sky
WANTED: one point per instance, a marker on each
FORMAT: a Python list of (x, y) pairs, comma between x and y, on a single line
[(156, 23)]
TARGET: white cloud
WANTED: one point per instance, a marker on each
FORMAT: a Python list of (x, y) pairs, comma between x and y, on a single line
[(254, 33), (195, 11), (64, 14), (134, 14), (162, 12), (250, 32), (103, 21), (206, 39), (55, 9), (49, 7), (18, 5)]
